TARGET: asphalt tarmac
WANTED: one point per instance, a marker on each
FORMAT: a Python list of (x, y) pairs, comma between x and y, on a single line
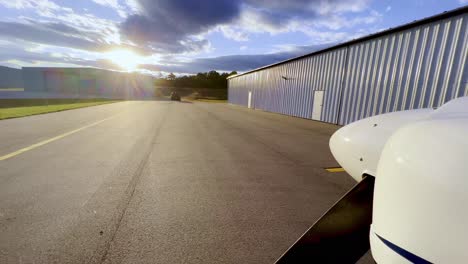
[(161, 182)]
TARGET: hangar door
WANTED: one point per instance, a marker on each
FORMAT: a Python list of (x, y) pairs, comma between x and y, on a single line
[(317, 106)]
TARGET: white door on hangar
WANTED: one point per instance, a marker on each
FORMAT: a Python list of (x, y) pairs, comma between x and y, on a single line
[(249, 100), (317, 106)]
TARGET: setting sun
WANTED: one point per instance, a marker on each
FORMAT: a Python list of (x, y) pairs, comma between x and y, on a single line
[(126, 59)]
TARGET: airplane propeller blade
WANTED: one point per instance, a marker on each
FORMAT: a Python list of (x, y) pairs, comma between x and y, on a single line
[(341, 235)]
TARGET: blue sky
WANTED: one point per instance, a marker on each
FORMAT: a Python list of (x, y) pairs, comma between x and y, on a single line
[(188, 36)]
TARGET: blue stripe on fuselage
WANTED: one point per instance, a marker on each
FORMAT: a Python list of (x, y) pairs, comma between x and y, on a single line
[(404, 253)]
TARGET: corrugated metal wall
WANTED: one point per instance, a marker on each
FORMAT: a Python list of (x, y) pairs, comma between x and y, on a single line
[(424, 66), (288, 88), (418, 68)]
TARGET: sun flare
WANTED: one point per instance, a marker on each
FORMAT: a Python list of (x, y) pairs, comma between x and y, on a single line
[(126, 59)]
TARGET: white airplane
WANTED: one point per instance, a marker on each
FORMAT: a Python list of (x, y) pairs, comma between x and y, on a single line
[(411, 202)]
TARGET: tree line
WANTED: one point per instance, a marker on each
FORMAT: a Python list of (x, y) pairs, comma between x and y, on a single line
[(209, 80)]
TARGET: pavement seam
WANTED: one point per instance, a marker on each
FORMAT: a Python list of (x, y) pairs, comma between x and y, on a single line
[(130, 191)]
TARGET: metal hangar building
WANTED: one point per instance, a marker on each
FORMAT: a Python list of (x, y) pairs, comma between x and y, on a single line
[(417, 65)]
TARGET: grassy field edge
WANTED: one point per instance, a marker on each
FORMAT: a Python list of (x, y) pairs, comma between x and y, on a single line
[(22, 111)]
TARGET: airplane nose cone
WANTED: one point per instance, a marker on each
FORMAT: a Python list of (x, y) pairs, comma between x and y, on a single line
[(357, 147), (346, 145)]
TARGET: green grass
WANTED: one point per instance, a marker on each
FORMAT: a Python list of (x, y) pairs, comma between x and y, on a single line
[(11, 89), (8, 103), (13, 112)]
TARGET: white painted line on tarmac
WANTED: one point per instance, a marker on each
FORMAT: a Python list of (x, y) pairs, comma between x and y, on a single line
[(47, 141)]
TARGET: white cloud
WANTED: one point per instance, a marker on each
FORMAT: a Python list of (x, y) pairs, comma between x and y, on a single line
[(390, 8), (21, 63), (324, 37), (134, 6), (106, 29), (322, 21), (325, 21), (253, 20), (49, 11), (328, 7), (114, 4), (110, 3), (22, 4), (41, 7), (337, 22), (234, 33)]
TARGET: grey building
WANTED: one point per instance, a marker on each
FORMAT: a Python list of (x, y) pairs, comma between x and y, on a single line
[(417, 65), (10, 78), (85, 83)]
